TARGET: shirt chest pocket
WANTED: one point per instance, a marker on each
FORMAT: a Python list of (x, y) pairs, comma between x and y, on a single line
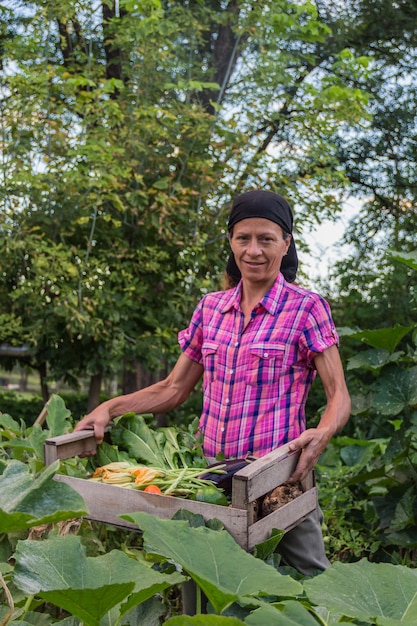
[(209, 351), (265, 364)]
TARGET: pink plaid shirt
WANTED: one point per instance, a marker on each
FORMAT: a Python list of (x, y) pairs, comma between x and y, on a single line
[(256, 379)]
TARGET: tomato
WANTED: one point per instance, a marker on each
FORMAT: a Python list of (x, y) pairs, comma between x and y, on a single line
[(153, 489), (211, 495)]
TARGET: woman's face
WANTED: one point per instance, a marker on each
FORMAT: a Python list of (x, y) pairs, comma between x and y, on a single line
[(258, 246)]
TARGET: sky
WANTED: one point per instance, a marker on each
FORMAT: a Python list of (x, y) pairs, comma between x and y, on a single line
[(323, 243)]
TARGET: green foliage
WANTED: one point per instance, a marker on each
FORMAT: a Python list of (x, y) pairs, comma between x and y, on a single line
[(125, 135), (167, 447), (375, 474), (24, 407), (379, 592), (24, 443), (26, 501), (99, 579), (58, 571), (226, 574)]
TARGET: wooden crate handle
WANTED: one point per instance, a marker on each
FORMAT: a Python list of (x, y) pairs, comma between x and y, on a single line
[(263, 475), (69, 445)]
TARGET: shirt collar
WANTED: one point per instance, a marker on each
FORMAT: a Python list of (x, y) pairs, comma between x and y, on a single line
[(270, 301)]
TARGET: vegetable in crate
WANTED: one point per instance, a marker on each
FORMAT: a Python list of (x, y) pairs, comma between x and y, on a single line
[(153, 489), (223, 479), (279, 496), (124, 473), (185, 482), (167, 458), (211, 495), (168, 448)]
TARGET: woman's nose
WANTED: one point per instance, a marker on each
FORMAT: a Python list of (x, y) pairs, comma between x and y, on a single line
[(253, 247)]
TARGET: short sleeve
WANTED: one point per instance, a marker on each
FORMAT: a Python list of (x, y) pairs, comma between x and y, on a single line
[(319, 332), (191, 338)]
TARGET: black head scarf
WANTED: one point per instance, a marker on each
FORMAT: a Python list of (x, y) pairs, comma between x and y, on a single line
[(272, 207)]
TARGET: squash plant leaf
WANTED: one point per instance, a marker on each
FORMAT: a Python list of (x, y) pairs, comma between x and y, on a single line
[(57, 416), (289, 613), (140, 441), (385, 338), (221, 568), (264, 550), (36, 439), (27, 500), (378, 592), (369, 359), (394, 390), (205, 620), (7, 423), (58, 570)]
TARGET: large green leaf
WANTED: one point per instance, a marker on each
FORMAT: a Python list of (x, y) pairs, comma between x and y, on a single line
[(57, 416), (8, 423), (26, 501), (141, 442), (222, 569), (396, 390), (378, 591), (370, 359), (286, 614), (58, 570), (34, 618), (106, 453), (266, 548), (204, 620), (36, 438), (384, 338), (404, 511)]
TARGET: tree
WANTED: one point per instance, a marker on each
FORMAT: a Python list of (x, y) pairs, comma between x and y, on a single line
[(378, 157), (127, 128)]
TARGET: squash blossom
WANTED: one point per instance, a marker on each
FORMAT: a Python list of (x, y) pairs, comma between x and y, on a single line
[(116, 466), (145, 475), (116, 473), (122, 472)]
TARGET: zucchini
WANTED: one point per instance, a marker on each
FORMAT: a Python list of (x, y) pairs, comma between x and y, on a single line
[(224, 480)]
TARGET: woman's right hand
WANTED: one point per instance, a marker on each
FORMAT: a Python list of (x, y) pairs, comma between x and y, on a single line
[(97, 420)]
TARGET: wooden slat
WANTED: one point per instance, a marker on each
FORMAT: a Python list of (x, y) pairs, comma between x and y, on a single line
[(309, 481), (106, 502), (263, 475), (251, 470), (69, 445), (284, 518)]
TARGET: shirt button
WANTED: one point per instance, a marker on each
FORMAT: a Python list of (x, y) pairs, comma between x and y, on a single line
[(236, 344), (265, 355), (231, 371), (227, 400), (222, 430)]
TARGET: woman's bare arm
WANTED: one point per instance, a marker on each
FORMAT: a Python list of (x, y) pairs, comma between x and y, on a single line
[(313, 441), (158, 398)]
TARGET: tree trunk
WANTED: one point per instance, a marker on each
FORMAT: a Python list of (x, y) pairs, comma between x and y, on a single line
[(94, 391), (43, 383), (23, 383), (129, 380), (136, 376)]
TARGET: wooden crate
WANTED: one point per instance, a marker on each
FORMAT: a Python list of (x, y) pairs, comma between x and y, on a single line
[(106, 502)]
